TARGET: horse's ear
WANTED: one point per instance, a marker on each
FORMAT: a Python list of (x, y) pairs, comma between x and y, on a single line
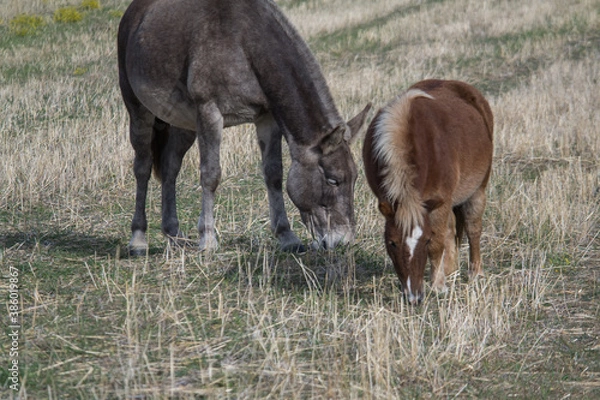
[(333, 140), (347, 132), (386, 209), (355, 124)]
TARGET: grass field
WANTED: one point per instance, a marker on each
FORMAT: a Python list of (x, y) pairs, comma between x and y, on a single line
[(250, 322)]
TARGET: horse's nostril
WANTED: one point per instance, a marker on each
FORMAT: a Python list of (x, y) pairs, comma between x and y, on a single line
[(413, 299), (321, 244)]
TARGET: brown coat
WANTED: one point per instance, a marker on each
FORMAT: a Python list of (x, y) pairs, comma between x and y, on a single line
[(427, 157)]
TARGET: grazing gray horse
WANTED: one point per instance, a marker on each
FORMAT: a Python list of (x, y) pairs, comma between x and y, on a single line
[(189, 68)]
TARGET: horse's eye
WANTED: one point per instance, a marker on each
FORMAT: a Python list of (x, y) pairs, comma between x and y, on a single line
[(332, 182), (392, 243)]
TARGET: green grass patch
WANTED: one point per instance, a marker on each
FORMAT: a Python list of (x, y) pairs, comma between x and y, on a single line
[(24, 25), (90, 4), (67, 15)]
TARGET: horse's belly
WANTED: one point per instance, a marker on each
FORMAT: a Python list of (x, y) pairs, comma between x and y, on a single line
[(467, 186), (176, 109), (170, 108)]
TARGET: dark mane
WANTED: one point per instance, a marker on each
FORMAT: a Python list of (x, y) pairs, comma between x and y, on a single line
[(299, 85)]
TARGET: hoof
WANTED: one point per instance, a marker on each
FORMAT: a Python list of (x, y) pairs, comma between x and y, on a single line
[(137, 251), (290, 243), (208, 245), (440, 289), (296, 248), (475, 275), (138, 246)]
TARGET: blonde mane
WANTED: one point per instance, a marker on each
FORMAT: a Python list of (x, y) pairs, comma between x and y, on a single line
[(392, 150)]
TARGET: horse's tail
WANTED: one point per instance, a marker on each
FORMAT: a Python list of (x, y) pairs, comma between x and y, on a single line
[(160, 135)]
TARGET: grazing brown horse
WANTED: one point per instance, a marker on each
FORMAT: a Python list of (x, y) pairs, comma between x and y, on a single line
[(189, 68), (428, 156)]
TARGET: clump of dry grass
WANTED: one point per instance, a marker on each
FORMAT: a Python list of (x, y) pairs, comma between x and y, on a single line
[(264, 342)]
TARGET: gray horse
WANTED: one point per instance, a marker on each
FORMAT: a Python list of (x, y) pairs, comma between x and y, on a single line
[(189, 68)]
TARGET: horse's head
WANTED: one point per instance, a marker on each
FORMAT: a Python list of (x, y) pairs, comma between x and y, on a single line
[(321, 184), (408, 251)]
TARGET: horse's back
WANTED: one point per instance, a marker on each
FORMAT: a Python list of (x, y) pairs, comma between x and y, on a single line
[(175, 55), (453, 139), (437, 141), (450, 92)]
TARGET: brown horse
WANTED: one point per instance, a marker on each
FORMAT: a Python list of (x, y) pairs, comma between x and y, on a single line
[(189, 68), (428, 156)]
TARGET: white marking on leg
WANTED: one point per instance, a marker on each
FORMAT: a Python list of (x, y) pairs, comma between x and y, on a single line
[(412, 241), (138, 243)]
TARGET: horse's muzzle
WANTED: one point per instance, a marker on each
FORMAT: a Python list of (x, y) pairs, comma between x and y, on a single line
[(333, 239), (414, 299)]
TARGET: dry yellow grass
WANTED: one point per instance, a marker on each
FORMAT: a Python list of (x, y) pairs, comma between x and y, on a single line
[(249, 322)]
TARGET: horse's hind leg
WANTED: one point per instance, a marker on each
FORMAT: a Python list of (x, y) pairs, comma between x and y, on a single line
[(140, 135), (473, 212), (269, 139), (210, 129), (175, 144)]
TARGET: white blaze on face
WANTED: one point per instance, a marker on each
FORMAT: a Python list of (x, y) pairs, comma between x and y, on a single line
[(412, 241)]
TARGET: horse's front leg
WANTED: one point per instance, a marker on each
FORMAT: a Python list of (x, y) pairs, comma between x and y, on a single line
[(210, 129), (269, 140), (176, 142), (439, 219), (450, 260)]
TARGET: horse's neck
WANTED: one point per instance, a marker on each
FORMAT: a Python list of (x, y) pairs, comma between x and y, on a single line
[(292, 81)]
